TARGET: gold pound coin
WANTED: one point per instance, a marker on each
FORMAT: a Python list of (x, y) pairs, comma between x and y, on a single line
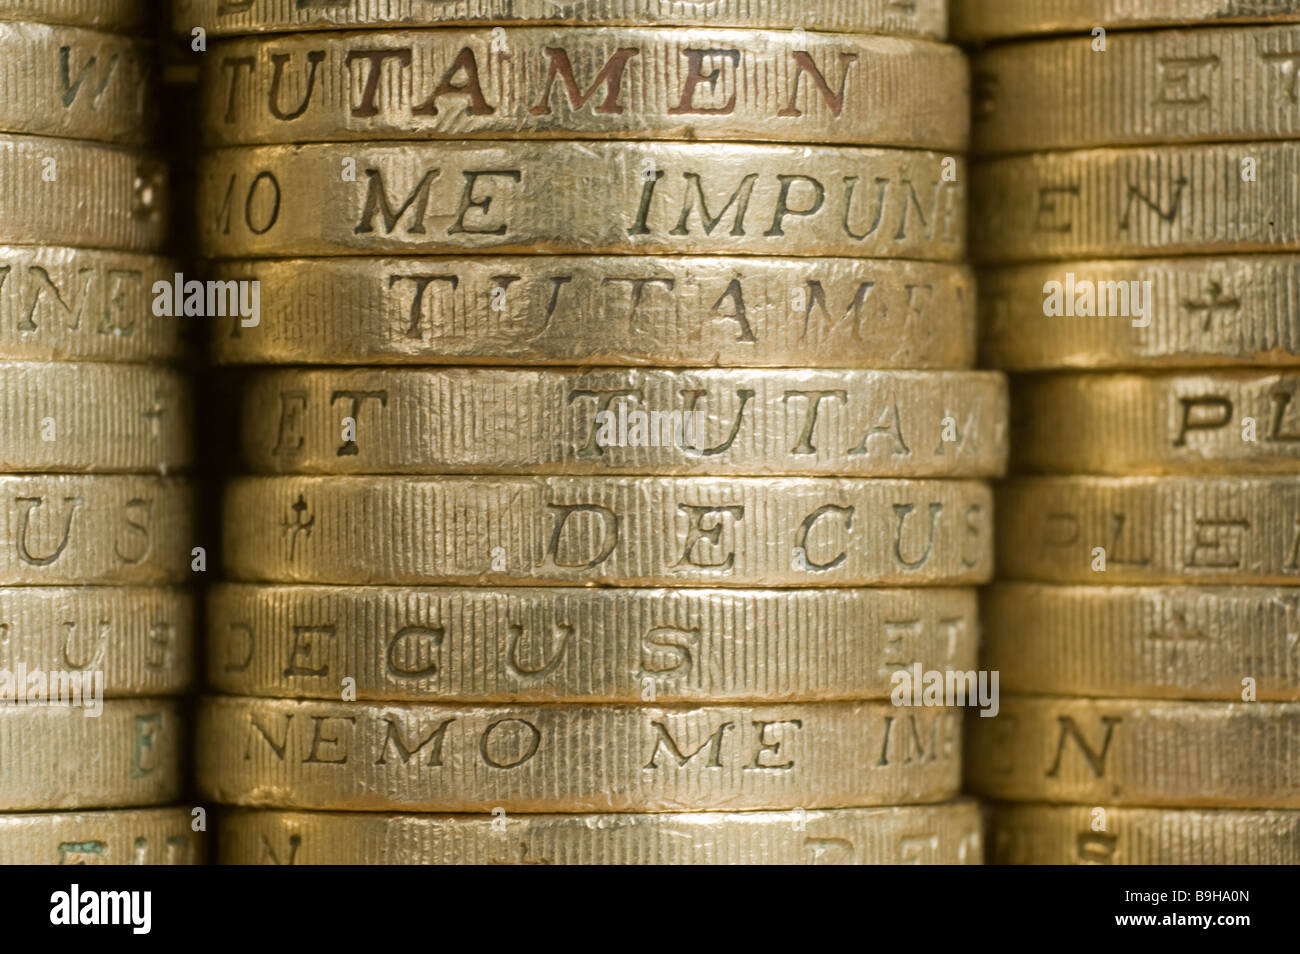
[(624, 531), (576, 83), (408, 757), (1239, 422), (62, 757), (1141, 314), (140, 836), (1179, 530), (563, 197), (1136, 202), (1082, 835), (93, 418), (982, 20), (444, 644), (75, 84), (1169, 642), (98, 529), (115, 15), (139, 639), (928, 18), (1213, 84), (64, 192), (78, 304), (1137, 752), (919, 834), (492, 421), (603, 310)]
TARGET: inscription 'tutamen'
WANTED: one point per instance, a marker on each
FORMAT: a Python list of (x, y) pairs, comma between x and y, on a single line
[(606, 310), (706, 85), (643, 83), (824, 306)]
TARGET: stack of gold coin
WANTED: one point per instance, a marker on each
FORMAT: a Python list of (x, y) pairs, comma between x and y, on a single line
[(629, 446), (95, 629), (1142, 254)]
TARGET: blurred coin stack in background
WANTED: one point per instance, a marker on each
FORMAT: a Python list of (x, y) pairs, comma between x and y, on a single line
[(1142, 284), (95, 628), (627, 446)]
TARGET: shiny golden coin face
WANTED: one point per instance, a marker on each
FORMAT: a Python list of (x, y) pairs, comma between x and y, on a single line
[(602, 310), (79, 304), (998, 19), (101, 529), (1136, 202), (559, 644), (928, 18), (137, 745), (1097, 835), (1150, 87), (138, 640), (1141, 314), (1170, 642), (136, 836), (921, 834), (625, 531), (408, 421), (1105, 531), (408, 757), (1137, 752), (65, 192), (581, 197), (569, 83), (1239, 422), (75, 84), (93, 418)]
